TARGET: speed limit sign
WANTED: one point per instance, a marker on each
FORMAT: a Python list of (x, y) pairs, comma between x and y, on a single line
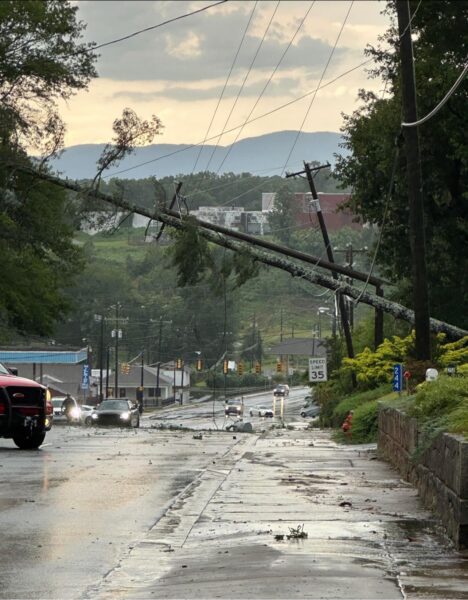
[(317, 370)]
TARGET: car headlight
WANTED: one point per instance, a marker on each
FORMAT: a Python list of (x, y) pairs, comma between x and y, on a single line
[(94, 416), (125, 416), (75, 412)]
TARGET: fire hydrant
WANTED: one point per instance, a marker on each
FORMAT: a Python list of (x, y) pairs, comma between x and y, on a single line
[(347, 424)]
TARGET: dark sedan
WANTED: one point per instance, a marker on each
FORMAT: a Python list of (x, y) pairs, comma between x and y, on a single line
[(117, 412)]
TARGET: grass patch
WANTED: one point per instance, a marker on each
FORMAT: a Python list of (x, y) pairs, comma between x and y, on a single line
[(353, 402)]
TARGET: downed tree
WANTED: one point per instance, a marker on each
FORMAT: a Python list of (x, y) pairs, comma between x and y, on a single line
[(223, 237)]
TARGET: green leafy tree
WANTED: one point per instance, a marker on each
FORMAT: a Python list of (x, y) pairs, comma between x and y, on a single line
[(252, 346), (41, 61), (282, 217), (370, 135)]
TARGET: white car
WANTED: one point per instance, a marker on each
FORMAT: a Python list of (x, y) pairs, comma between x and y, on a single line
[(261, 411), (85, 414), (59, 412)]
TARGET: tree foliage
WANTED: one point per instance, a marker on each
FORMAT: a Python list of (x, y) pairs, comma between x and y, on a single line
[(282, 218), (41, 60), (371, 134)]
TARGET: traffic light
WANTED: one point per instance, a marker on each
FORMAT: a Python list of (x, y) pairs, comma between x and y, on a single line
[(179, 363), (240, 368), (258, 368), (279, 367), (199, 364), (225, 367)]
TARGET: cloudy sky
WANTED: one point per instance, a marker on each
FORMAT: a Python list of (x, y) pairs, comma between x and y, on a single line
[(179, 70)]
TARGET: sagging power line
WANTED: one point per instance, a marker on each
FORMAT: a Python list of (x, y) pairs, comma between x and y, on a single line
[(232, 240)]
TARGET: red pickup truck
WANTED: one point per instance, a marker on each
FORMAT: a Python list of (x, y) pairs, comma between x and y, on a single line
[(25, 410)]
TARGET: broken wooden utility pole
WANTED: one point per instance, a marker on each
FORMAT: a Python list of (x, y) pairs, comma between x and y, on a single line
[(207, 230), (415, 186)]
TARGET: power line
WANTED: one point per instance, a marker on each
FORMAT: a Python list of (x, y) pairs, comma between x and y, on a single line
[(266, 85), (444, 100), (225, 85), (127, 37), (243, 84), (266, 114), (320, 82)]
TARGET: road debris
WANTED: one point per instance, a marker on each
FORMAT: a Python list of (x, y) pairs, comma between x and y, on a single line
[(297, 533)]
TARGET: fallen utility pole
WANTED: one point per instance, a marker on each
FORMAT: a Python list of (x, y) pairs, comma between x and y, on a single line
[(177, 221)]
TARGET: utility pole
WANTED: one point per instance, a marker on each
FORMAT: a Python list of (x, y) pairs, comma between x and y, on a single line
[(158, 393), (344, 316), (107, 370), (117, 332), (349, 254), (415, 193), (142, 381), (101, 358)]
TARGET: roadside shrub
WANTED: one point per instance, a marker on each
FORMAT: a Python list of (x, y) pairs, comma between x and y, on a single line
[(441, 397), (352, 402), (365, 423), (327, 395)]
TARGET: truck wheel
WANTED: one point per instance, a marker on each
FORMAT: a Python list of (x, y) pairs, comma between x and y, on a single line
[(29, 442)]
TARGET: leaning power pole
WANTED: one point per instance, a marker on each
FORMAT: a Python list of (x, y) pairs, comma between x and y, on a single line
[(326, 240), (415, 192)]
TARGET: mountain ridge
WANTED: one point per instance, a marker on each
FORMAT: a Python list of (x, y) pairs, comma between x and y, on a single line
[(266, 152)]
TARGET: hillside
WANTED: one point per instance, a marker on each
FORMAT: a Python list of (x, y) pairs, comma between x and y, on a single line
[(262, 153)]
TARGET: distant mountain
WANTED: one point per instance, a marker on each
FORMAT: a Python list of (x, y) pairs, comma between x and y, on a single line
[(262, 153)]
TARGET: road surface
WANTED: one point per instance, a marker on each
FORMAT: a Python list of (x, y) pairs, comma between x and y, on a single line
[(164, 513)]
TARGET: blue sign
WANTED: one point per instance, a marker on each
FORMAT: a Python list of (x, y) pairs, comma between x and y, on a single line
[(397, 384), (85, 378)]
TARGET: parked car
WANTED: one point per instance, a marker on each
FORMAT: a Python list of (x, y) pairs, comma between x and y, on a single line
[(261, 411), (281, 390), (235, 406), (308, 400), (61, 415), (119, 412), (25, 410), (311, 411), (85, 414)]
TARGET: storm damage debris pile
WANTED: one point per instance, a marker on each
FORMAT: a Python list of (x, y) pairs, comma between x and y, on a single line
[(295, 533)]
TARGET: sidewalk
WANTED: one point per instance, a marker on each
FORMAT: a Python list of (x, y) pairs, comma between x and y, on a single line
[(367, 534)]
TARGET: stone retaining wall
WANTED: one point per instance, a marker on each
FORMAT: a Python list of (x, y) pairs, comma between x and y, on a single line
[(440, 473)]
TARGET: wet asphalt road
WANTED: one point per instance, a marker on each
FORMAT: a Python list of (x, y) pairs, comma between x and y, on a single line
[(158, 514), (71, 510)]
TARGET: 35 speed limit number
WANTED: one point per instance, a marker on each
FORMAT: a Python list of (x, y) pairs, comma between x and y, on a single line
[(317, 369)]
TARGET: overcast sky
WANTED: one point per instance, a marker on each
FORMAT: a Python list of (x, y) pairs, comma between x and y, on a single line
[(178, 71)]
